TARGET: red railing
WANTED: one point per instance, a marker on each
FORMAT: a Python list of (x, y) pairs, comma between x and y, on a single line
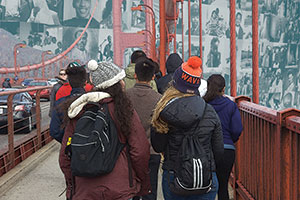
[(18, 150), (267, 156)]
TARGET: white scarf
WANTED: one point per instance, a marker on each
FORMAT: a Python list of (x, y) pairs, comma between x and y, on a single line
[(78, 104)]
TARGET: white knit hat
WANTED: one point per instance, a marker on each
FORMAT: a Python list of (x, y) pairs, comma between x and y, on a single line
[(105, 74)]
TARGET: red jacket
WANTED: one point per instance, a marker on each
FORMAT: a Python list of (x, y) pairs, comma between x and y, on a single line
[(114, 185), (65, 90)]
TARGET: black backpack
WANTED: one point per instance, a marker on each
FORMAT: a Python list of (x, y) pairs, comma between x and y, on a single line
[(192, 172), (95, 146)]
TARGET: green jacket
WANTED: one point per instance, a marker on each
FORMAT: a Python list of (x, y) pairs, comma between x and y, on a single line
[(130, 80)]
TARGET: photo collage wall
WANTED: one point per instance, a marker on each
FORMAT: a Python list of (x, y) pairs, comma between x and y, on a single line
[(55, 24), (279, 47)]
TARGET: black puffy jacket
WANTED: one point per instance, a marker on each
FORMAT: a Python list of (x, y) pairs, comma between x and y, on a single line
[(182, 116)]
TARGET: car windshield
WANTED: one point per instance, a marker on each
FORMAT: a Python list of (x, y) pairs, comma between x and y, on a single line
[(17, 97), (37, 84)]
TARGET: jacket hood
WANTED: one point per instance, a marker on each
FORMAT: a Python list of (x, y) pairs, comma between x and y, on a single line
[(173, 62), (219, 103), (84, 99), (183, 112), (130, 70)]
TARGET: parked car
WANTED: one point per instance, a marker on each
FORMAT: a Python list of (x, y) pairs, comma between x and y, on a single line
[(24, 112), (26, 81), (52, 81), (44, 93)]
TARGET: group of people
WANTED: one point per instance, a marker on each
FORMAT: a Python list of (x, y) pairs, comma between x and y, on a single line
[(153, 115)]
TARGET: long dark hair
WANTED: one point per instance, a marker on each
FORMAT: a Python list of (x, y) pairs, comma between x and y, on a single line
[(123, 107), (215, 85), (123, 110)]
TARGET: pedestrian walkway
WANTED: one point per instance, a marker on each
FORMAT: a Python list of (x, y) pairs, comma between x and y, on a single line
[(38, 177)]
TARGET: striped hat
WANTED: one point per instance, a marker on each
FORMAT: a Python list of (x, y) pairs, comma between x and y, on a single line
[(187, 77)]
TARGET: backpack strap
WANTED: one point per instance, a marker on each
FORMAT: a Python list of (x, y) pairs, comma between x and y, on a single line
[(127, 150)]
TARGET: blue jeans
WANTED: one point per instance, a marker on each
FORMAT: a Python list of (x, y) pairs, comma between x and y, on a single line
[(168, 195)]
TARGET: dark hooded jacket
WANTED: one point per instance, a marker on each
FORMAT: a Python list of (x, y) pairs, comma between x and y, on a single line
[(6, 83), (182, 116), (53, 93), (230, 117), (173, 62)]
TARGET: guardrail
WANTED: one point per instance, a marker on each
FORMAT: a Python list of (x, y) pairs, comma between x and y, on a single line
[(16, 151), (267, 156)]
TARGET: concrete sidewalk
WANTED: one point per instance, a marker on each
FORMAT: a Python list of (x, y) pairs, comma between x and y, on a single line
[(38, 178)]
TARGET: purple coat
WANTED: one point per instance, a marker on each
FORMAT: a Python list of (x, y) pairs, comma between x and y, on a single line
[(230, 118)]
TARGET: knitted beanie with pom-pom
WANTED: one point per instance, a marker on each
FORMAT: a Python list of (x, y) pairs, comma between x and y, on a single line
[(187, 77), (104, 74)]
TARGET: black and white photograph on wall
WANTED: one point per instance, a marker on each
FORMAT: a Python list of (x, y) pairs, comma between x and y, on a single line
[(53, 39), (273, 55), (78, 12), (182, 46), (40, 13), (179, 24), (87, 46), (106, 14), (244, 83), (10, 10), (215, 19), (289, 88), (241, 32), (208, 2), (246, 56), (195, 22), (11, 27), (274, 29), (138, 18), (37, 11), (214, 55), (32, 34), (105, 47), (126, 16)]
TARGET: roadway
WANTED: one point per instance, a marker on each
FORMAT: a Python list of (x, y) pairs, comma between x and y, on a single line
[(45, 121)]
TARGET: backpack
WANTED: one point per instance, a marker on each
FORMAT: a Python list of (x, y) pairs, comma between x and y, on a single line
[(95, 146), (192, 171)]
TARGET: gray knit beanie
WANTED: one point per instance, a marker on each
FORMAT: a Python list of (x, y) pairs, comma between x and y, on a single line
[(105, 74)]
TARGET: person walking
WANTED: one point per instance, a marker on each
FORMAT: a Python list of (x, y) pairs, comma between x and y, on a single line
[(232, 127), (129, 79), (6, 83), (62, 78), (109, 86), (144, 99), (182, 113), (173, 62), (77, 79)]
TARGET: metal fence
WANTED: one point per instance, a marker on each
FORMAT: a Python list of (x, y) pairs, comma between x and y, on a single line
[(15, 151), (267, 164)]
